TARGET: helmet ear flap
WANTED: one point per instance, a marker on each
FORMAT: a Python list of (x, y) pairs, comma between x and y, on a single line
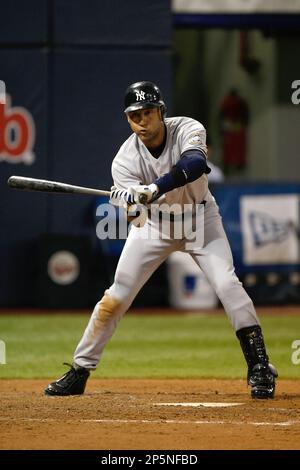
[(163, 110)]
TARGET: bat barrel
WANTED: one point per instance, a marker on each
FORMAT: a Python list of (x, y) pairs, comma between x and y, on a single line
[(34, 184)]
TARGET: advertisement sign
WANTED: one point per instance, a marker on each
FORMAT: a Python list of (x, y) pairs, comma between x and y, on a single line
[(262, 222), (17, 133), (235, 6), (270, 229)]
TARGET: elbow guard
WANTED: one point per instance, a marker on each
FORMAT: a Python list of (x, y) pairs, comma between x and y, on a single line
[(190, 167), (192, 164)]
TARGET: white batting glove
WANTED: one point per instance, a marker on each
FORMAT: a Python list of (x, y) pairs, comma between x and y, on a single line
[(143, 194), (120, 197)]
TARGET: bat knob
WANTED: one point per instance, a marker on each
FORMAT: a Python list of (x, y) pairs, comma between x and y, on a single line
[(11, 181), (143, 199)]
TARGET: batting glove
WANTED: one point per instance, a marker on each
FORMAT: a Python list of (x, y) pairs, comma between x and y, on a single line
[(143, 194), (120, 197)]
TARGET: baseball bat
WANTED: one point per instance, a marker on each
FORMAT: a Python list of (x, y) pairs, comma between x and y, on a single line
[(34, 184)]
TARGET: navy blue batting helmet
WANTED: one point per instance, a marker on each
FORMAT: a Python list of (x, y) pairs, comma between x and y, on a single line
[(142, 95)]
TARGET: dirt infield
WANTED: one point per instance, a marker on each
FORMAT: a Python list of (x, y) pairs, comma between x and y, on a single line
[(129, 414)]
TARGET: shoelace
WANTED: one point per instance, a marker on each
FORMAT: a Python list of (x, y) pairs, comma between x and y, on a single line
[(69, 374)]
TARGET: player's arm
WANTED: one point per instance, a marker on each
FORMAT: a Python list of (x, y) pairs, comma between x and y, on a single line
[(191, 166)]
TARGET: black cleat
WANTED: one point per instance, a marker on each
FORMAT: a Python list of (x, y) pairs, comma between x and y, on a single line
[(262, 380), (72, 382), (261, 374)]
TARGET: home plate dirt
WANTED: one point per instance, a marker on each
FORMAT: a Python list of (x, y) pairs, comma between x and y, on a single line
[(196, 405), (149, 414)]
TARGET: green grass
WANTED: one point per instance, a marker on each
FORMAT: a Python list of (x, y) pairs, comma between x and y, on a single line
[(143, 346)]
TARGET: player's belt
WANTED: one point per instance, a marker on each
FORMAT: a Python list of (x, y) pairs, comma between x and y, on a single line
[(171, 216)]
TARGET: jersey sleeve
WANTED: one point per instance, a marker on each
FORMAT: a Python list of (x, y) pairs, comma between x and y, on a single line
[(192, 136)]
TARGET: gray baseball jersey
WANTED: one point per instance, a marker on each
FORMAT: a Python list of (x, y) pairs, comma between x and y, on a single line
[(134, 164)]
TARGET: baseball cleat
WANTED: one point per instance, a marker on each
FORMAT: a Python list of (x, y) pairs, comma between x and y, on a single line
[(262, 380), (72, 382)]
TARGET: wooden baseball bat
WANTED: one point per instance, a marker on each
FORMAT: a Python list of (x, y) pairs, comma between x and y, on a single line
[(34, 184)]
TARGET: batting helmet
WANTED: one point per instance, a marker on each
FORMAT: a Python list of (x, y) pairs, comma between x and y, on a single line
[(142, 95)]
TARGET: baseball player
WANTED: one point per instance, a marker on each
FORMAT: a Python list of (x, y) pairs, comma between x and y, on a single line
[(164, 161)]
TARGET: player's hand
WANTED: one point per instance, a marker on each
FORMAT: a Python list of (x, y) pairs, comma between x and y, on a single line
[(142, 194), (120, 197)]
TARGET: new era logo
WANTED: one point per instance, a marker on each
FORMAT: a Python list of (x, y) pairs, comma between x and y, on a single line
[(267, 229), (270, 228)]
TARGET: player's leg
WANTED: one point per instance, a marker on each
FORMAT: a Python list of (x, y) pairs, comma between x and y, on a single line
[(215, 259), (140, 257)]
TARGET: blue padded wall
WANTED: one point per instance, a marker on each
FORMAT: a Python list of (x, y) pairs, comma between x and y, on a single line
[(22, 215), (112, 22), (68, 63), (23, 22)]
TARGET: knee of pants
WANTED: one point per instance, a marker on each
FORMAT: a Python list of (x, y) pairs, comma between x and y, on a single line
[(106, 309)]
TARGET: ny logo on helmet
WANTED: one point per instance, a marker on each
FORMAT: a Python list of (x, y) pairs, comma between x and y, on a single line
[(140, 95)]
